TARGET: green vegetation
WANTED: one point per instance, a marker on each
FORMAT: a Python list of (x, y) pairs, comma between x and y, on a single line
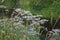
[(8, 31), (44, 7), (47, 8)]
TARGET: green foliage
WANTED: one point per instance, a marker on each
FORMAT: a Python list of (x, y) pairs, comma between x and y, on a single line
[(40, 4), (52, 10), (19, 32), (44, 7), (9, 3), (9, 32)]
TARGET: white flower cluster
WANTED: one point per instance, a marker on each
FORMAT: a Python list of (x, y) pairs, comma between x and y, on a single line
[(23, 16), (27, 15)]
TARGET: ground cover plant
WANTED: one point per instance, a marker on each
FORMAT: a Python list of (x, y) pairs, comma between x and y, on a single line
[(29, 19)]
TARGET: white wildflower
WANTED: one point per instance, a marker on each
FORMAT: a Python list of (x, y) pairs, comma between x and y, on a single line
[(51, 32), (12, 19), (29, 14), (16, 27), (33, 16), (27, 17), (31, 32), (37, 19), (18, 10), (22, 14), (21, 22), (39, 15), (20, 19), (34, 23), (24, 17), (43, 21), (16, 24), (26, 11), (16, 18)]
